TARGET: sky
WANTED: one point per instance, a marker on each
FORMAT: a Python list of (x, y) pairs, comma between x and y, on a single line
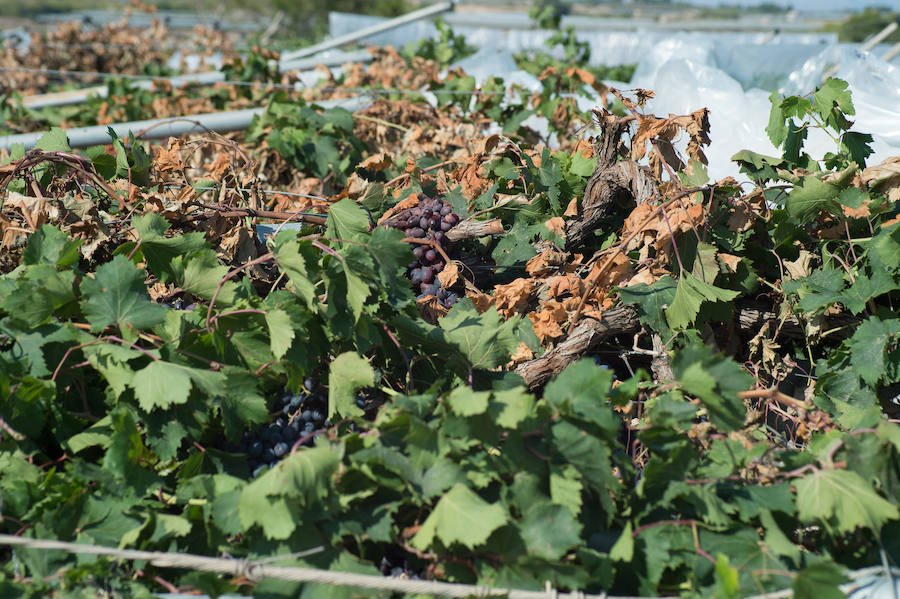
[(808, 4)]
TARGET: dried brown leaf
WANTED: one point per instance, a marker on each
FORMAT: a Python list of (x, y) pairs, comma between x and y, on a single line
[(449, 275), (514, 298)]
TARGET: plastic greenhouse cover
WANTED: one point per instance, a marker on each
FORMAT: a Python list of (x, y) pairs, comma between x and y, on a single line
[(730, 73)]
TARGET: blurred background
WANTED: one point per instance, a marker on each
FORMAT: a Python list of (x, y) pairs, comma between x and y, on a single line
[(728, 56)]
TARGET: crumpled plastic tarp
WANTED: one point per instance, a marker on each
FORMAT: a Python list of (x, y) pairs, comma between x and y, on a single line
[(730, 73)]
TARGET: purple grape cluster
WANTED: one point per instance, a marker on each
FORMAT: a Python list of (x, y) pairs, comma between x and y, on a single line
[(301, 416), (300, 419), (431, 219)]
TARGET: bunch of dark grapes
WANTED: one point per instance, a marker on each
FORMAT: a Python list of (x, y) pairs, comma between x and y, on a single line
[(431, 219), (301, 417)]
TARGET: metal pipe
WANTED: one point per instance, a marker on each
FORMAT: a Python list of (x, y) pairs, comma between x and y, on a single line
[(82, 137), (355, 36), (79, 96), (880, 36), (172, 20), (892, 53), (333, 60), (868, 45)]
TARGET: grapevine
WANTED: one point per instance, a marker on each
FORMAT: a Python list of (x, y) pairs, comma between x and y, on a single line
[(449, 353)]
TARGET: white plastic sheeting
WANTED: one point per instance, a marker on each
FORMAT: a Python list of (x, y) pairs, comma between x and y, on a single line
[(609, 47), (738, 117), (731, 73)]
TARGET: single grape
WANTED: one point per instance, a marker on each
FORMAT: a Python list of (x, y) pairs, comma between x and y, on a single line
[(431, 255), (280, 449), (309, 427), (417, 233), (309, 383), (419, 251), (427, 274), (268, 455)]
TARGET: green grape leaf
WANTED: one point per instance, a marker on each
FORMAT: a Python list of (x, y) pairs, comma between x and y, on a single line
[(465, 402), (810, 197), (566, 487), (349, 373), (715, 380), (200, 274), (162, 384), (461, 516), (652, 301), (843, 499), (867, 347), (776, 129), (159, 250), (833, 95), (821, 288), (347, 220), (54, 140), (858, 146), (820, 580), (511, 406), (281, 332), (689, 295), (727, 578), (866, 288), (623, 550), (549, 531), (515, 246), (38, 294), (485, 340), (49, 245), (299, 262), (582, 389), (582, 165), (117, 295)]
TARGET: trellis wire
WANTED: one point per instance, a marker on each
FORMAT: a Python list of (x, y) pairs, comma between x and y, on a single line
[(248, 190), (260, 569)]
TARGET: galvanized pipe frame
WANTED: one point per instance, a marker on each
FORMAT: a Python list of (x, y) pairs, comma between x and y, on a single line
[(290, 61), (365, 32), (79, 96), (236, 120)]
